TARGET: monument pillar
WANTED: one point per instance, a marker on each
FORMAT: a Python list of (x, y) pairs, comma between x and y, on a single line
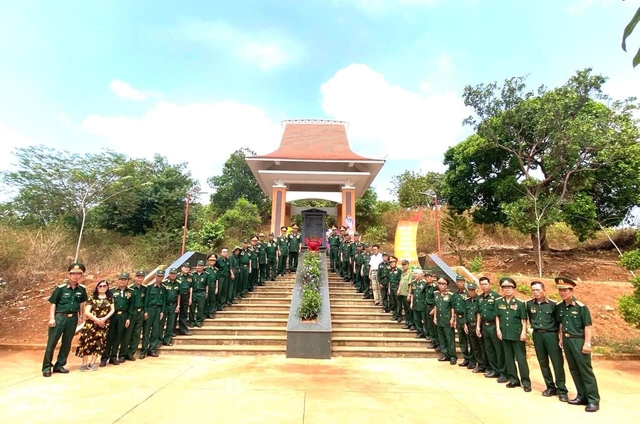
[(348, 206), (278, 207)]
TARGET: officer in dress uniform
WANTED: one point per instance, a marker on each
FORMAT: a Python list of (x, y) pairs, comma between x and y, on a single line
[(542, 313), (459, 306), (67, 307), (262, 258), (245, 268), (576, 328), (511, 326), (225, 291), (418, 298), (395, 275), (366, 271), (235, 277), (255, 263), (295, 246), (358, 262), (334, 249), (154, 307), (383, 283), (271, 249), (172, 288), (430, 301), (283, 251), (215, 299), (479, 362), (119, 322), (486, 328), (185, 281), (133, 333), (200, 288), (445, 320), (345, 251)]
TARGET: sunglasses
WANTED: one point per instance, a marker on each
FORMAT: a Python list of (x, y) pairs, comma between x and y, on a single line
[(103, 285)]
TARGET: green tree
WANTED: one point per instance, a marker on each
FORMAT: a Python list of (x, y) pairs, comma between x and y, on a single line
[(367, 213), (547, 150), (237, 181), (460, 233), (410, 186), (240, 221), (628, 30)]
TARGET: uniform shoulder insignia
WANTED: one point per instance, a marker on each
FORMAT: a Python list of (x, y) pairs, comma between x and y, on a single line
[(500, 298), (83, 286), (130, 286), (63, 285), (579, 303), (450, 293), (144, 285), (529, 300)]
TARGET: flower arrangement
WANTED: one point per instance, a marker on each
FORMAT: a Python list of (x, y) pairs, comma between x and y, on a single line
[(311, 298)]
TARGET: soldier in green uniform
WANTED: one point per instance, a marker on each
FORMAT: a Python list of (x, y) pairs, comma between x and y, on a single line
[(366, 269), (430, 300), (295, 245), (352, 256), (225, 293), (215, 301), (459, 306), (479, 362), (168, 323), (395, 275), (185, 292), (576, 330), (334, 249), (418, 300), (133, 333), (67, 307), (402, 294), (245, 268), (255, 263), (119, 322), (200, 288), (283, 251), (543, 317), (486, 328), (262, 259), (345, 251), (358, 263), (154, 306), (445, 320), (234, 274), (383, 282), (511, 325), (271, 250)]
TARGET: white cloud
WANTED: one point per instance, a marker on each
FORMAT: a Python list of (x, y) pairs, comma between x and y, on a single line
[(268, 49), (125, 91), (579, 7), (64, 120), (202, 134), (10, 140), (389, 120)]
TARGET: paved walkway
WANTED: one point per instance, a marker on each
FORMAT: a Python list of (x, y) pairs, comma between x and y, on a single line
[(274, 390)]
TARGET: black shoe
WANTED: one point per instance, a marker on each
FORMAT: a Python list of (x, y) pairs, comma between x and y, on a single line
[(464, 363), (103, 362), (563, 398), (61, 370), (578, 401), (453, 361), (443, 359), (406, 327), (527, 389), (130, 358), (46, 373), (432, 346), (438, 349), (114, 361), (153, 354), (143, 354), (502, 380), (592, 407), (419, 336), (511, 385), (491, 374), (412, 328), (550, 392), (471, 366), (478, 370), (122, 359)]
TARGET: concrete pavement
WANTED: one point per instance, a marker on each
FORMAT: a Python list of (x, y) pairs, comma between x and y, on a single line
[(273, 389)]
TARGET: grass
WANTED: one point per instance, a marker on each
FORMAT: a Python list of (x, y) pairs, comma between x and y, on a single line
[(607, 346)]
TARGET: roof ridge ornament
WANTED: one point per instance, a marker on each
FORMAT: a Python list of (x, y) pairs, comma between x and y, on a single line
[(315, 121)]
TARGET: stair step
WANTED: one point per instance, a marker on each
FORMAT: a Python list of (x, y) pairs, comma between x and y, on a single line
[(384, 352), (338, 302), (378, 316), (267, 307), (264, 300), (379, 332), (231, 313), (271, 293), (234, 321), (379, 341), (365, 307), (191, 349), (360, 323), (212, 340), (227, 330)]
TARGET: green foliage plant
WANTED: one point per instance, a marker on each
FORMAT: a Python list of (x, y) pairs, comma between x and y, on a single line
[(311, 281), (475, 264)]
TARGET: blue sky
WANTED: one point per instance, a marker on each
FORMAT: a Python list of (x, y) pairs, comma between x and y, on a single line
[(194, 80)]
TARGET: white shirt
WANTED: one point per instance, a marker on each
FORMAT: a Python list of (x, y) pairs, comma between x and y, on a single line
[(375, 261)]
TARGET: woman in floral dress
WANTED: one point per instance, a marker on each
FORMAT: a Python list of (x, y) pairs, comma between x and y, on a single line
[(93, 339)]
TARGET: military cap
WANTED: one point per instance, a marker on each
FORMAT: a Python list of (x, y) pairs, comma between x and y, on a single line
[(261, 235), (428, 271), (472, 286), (444, 281), (565, 283), (393, 259), (160, 272), (173, 271), (284, 227), (507, 282), (139, 273), (367, 245), (460, 278), (236, 248), (212, 258), (333, 227), (123, 276), (271, 234), (76, 268), (186, 264), (356, 234), (385, 254), (342, 227), (200, 262), (295, 226), (245, 241), (405, 262)]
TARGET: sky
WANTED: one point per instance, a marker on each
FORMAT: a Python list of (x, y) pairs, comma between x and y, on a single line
[(196, 80)]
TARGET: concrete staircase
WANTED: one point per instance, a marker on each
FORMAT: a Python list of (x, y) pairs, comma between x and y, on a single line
[(363, 330), (257, 325)]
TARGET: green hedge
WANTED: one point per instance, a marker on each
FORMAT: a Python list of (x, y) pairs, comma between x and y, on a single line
[(311, 298)]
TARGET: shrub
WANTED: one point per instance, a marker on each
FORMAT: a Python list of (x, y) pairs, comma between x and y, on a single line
[(475, 264), (630, 309), (376, 234), (311, 276), (525, 289)]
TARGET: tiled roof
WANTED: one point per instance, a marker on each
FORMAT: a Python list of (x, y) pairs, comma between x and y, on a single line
[(314, 140)]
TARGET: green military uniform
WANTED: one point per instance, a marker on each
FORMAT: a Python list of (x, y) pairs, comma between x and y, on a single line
[(133, 333), (419, 303), (68, 301), (184, 290), (271, 249), (345, 251), (283, 247), (544, 321), (511, 313), (334, 251), (245, 267), (215, 301), (235, 286), (359, 260), (446, 336), (366, 269), (172, 290), (459, 306), (295, 243), (402, 294), (123, 306), (395, 274), (492, 345), (225, 294), (430, 302), (262, 261), (154, 307), (383, 281), (200, 287), (574, 317), (479, 359), (255, 267)]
